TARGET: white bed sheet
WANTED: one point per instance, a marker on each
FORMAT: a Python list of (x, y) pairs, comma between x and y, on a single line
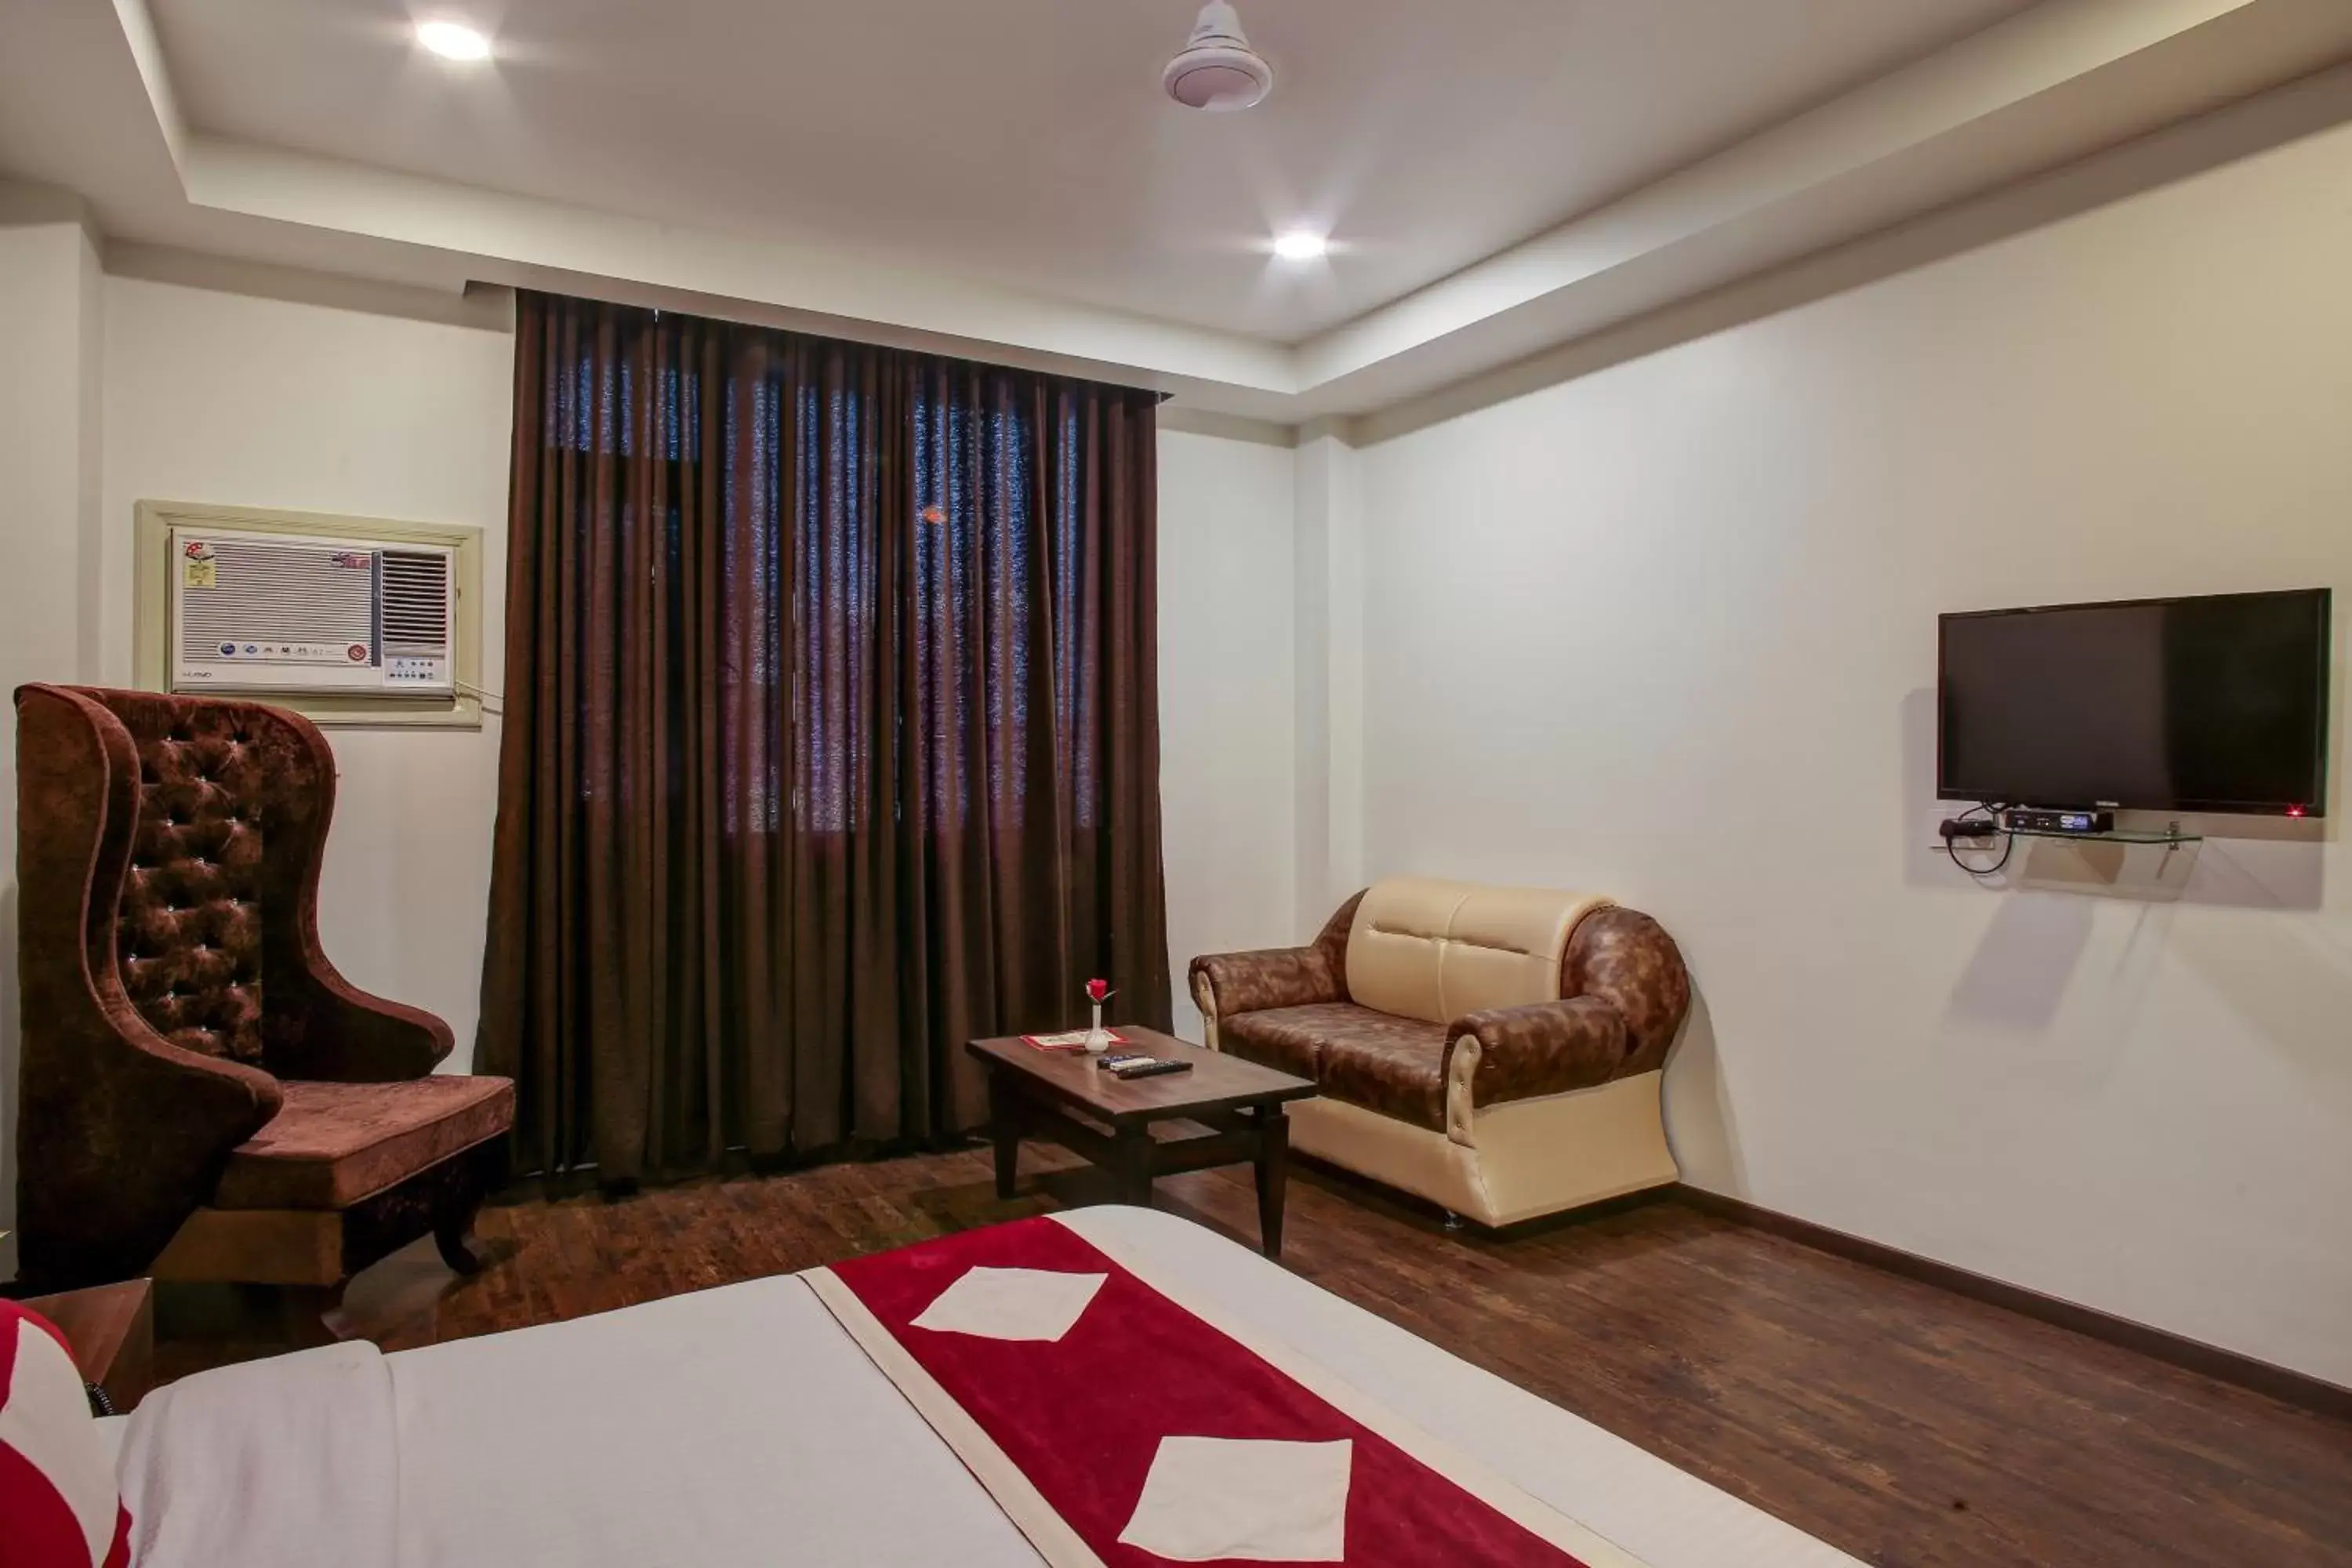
[(741, 1425), (110, 1432)]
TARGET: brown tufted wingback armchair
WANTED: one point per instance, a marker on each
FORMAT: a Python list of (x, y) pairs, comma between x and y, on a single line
[(203, 1096)]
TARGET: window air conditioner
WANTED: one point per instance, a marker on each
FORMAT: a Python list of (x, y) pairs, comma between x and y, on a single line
[(265, 613)]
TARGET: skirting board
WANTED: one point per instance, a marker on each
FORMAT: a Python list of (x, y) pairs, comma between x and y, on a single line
[(2282, 1384)]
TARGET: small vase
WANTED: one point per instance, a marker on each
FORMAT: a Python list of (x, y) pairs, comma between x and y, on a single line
[(1098, 1039)]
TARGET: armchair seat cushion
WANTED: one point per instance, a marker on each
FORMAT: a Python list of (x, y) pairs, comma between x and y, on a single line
[(1381, 1061), (332, 1144)]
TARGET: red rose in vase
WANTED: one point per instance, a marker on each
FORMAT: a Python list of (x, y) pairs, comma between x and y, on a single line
[(1098, 1037)]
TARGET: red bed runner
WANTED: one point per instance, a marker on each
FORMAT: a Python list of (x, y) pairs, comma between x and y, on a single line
[(1084, 1417)]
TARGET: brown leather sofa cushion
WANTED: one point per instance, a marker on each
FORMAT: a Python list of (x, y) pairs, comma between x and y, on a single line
[(1397, 1069), (1288, 1039), (1378, 1060), (332, 1144)]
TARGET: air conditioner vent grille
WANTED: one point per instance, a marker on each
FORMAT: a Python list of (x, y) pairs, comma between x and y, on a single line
[(274, 593), (415, 601)]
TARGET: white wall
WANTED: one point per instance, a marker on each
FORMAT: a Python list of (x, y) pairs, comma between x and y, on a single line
[(1329, 639), (246, 400), (1226, 717), (50, 328), (1668, 631)]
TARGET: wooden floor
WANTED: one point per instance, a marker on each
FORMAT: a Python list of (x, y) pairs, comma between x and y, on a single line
[(1905, 1425)]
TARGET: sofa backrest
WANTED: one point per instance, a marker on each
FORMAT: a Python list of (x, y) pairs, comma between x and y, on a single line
[(1434, 950)]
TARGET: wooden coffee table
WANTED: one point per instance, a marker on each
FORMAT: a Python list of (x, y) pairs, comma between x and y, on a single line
[(1108, 1121), (111, 1329)]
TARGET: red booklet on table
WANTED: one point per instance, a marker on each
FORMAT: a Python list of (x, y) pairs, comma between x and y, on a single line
[(1070, 1040)]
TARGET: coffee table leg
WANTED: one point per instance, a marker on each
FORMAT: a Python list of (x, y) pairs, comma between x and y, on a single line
[(1004, 1130), (1131, 1166), (1273, 1175)]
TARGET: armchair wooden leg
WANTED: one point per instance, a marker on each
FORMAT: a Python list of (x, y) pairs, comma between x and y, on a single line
[(308, 1312), (473, 1176), (449, 1239)]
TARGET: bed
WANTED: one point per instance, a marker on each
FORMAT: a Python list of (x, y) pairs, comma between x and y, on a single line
[(745, 1425)]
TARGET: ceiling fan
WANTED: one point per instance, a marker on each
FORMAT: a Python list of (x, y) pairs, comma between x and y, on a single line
[(1217, 70)]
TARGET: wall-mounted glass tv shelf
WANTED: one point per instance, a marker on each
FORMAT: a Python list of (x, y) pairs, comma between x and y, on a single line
[(2174, 834)]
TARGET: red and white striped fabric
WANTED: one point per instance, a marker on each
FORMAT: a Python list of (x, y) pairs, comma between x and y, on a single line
[(59, 1507)]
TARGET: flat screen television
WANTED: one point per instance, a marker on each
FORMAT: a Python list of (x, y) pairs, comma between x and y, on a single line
[(2213, 703)]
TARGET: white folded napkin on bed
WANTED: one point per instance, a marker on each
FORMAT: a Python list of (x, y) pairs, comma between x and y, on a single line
[(1209, 1499)]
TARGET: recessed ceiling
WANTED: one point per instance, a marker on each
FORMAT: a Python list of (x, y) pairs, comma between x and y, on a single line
[(1002, 178), (1026, 142)]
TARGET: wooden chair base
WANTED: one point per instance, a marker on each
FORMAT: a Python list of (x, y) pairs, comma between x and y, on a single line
[(321, 1248)]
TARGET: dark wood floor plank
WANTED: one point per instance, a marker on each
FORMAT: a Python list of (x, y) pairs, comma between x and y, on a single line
[(1907, 1424)]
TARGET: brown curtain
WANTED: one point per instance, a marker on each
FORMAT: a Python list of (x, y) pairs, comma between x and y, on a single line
[(830, 736)]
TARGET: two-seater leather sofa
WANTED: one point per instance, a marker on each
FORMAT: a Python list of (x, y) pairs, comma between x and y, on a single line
[(1495, 1050)]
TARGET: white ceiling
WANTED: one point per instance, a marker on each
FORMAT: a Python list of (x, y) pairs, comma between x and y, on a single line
[(1025, 141), (1001, 178)]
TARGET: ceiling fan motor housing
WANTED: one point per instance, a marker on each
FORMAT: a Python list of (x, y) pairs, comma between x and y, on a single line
[(1217, 70)]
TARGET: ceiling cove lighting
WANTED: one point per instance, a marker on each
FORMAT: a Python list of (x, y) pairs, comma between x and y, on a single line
[(1299, 245), (453, 40)]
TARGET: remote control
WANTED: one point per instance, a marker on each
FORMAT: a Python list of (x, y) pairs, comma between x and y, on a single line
[(1115, 1060), (1151, 1067)]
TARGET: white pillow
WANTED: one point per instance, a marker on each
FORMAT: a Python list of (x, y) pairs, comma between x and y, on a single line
[(59, 1506)]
